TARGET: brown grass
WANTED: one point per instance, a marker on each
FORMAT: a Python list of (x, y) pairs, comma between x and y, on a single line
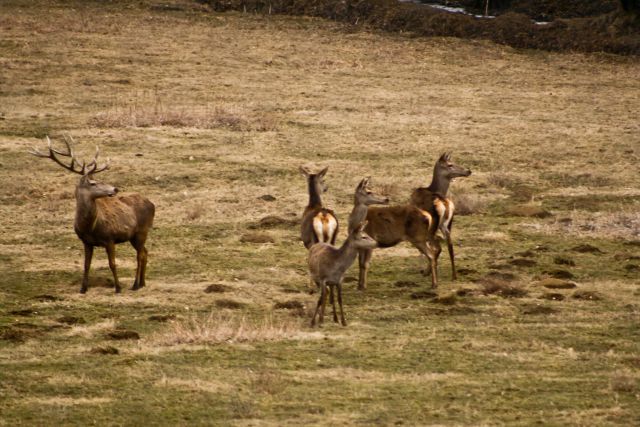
[(225, 328)]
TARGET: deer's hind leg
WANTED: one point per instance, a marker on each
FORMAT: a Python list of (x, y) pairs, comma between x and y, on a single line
[(111, 254), (141, 255), (364, 262)]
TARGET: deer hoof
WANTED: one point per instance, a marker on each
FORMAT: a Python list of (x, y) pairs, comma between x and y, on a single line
[(118, 290), (83, 290)]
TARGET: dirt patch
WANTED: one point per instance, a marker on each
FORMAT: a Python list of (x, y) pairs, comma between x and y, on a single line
[(47, 298), (289, 305), (552, 296), (563, 260), (526, 254), (523, 262), (499, 275), (267, 198), (586, 248), (587, 295), (449, 299), (230, 304), (107, 350), (467, 271), (256, 238), (162, 317), (538, 310), (502, 288), (216, 288), (553, 283), (70, 320), (272, 221), (455, 311), (23, 312), (423, 295), (560, 274), (406, 284), (123, 334)]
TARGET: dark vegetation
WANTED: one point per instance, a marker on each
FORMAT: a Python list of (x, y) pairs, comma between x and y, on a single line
[(603, 26)]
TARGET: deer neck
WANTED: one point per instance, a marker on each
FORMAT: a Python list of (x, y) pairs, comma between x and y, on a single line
[(439, 184), (358, 214), (314, 194), (86, 211), (346, 255)]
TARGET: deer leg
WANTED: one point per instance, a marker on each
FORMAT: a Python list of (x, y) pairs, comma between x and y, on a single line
[(323, 297), (364, 262), (143, 268), (111, 253), (429, 249), (333, 304), (344, 322), (88, 255), (447, 235), (315, 313)]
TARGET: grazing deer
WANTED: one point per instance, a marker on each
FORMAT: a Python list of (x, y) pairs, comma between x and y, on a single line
[(363, 198), (327, 265), (433, 199), (390, 225), (103, 219), (319, 224)]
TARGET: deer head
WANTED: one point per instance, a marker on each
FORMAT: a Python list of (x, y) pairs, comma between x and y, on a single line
[(316, 181), (87, 185), (445, 169), (364, 195)]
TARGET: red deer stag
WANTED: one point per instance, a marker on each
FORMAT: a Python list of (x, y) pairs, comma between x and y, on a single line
[(433, 199), (105, 220), (319, 224), (327, 265)]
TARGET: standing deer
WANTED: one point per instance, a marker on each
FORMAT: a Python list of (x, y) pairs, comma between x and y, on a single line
[(102, 219), (390, 225), (319, 224), (434, 200), (327, 265)]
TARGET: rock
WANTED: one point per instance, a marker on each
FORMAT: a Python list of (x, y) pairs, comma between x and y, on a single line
[(532, 211), (555, 283)]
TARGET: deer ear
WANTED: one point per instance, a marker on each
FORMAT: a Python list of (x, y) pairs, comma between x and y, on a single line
[(362, 184), (443, 157), (448, 156), (303, 171), (323, 172)]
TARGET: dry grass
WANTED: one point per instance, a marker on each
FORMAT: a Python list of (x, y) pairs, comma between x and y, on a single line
[(225, 328)]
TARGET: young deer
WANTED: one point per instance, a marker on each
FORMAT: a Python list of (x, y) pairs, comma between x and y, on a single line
[(433, 199), (103, 219), (327, 265), (319, 224)]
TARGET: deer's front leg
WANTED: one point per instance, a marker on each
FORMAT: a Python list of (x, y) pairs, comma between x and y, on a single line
[(364, 261), (88, 255), (111, 254)]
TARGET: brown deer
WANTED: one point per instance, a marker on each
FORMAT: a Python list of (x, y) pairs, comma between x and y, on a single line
[(319, 224), (434, 200), (104, 219), (390, 225), (327, 265)]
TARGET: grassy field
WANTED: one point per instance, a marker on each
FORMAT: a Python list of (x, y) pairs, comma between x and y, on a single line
[(205, 114)]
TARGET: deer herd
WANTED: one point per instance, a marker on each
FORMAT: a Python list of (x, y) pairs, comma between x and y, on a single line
[(105, 218)]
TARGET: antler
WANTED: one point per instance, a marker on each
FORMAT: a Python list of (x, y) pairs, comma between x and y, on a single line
[(82, 168)]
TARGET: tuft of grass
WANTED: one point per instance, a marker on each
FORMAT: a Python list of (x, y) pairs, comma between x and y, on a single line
[(220, 328)]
